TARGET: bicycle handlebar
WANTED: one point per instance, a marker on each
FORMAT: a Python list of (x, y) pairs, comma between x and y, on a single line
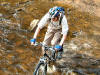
[(45, 46)]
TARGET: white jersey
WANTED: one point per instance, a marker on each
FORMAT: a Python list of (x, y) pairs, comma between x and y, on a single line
[(54, 25)]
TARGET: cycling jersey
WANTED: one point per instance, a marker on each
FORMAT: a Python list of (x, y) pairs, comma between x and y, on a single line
[(54, 25)]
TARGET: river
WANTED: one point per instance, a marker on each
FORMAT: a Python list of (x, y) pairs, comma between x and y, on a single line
[(17, 57)]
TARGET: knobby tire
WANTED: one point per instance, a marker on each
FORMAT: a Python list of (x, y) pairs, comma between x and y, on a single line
[(37, 69)]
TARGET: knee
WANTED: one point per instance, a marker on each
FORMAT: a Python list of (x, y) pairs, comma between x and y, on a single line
[(53, 43)]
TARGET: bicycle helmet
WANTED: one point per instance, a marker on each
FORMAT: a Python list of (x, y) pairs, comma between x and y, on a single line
[(56, 11)]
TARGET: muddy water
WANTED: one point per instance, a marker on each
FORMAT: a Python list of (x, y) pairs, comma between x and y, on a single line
[(17, 57)]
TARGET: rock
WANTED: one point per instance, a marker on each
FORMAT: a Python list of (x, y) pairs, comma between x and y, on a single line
[(19, 43), (19, 50), (11, 36), (3, 73), (4, 3), (33, 24), (1, 14)]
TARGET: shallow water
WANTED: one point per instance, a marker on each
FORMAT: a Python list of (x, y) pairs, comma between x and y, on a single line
[(17, 57)]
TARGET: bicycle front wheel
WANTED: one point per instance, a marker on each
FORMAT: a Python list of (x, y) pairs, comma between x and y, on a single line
[(41, 69)]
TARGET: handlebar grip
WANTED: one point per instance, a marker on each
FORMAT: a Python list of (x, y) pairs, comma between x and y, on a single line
[(46, 47), (37, 44)]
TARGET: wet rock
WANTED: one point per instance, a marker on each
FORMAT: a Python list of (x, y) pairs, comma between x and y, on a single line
[(4, 3), (96, 53), (19, 9), (1, 32), (18, 43), (10, 58), (11, 36), (1, 14), (19, 50), (3, 73), (20, 68), (33, 24), (70, 72), (12, 69), (24, 1)]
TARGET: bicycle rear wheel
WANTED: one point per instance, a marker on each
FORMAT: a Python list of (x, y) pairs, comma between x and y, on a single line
[(41, 69)]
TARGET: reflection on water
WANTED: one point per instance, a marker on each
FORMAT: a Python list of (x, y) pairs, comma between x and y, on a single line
[(18, 57)]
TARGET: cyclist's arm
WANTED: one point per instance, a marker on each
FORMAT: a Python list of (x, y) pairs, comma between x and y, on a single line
[(36, 33), (63, 39), (44, 20), (41, 24), (64, 30)]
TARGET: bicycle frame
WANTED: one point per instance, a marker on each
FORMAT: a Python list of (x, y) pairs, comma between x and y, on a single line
[(47, 48), (46, 58)]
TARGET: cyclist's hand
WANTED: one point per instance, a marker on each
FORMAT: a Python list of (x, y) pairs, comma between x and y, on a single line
[(58, 47), (33, 41)]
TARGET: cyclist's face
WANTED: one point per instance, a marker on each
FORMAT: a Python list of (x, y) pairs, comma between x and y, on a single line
[(55, 18)]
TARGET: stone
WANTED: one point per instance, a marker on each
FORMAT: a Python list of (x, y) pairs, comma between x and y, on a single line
[(33, 24)]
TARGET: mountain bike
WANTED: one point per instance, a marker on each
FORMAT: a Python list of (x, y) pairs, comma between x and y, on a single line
[(41, 68)]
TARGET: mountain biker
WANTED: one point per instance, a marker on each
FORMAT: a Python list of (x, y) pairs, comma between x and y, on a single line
[(56, 31)]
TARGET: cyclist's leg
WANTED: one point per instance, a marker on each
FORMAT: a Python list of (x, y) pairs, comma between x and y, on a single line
[(56, 40), (47, 40)]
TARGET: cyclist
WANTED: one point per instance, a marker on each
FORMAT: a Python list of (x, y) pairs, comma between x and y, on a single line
[(56, 31)]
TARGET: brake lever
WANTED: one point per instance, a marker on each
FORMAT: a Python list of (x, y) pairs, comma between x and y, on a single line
[(36, 44)]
